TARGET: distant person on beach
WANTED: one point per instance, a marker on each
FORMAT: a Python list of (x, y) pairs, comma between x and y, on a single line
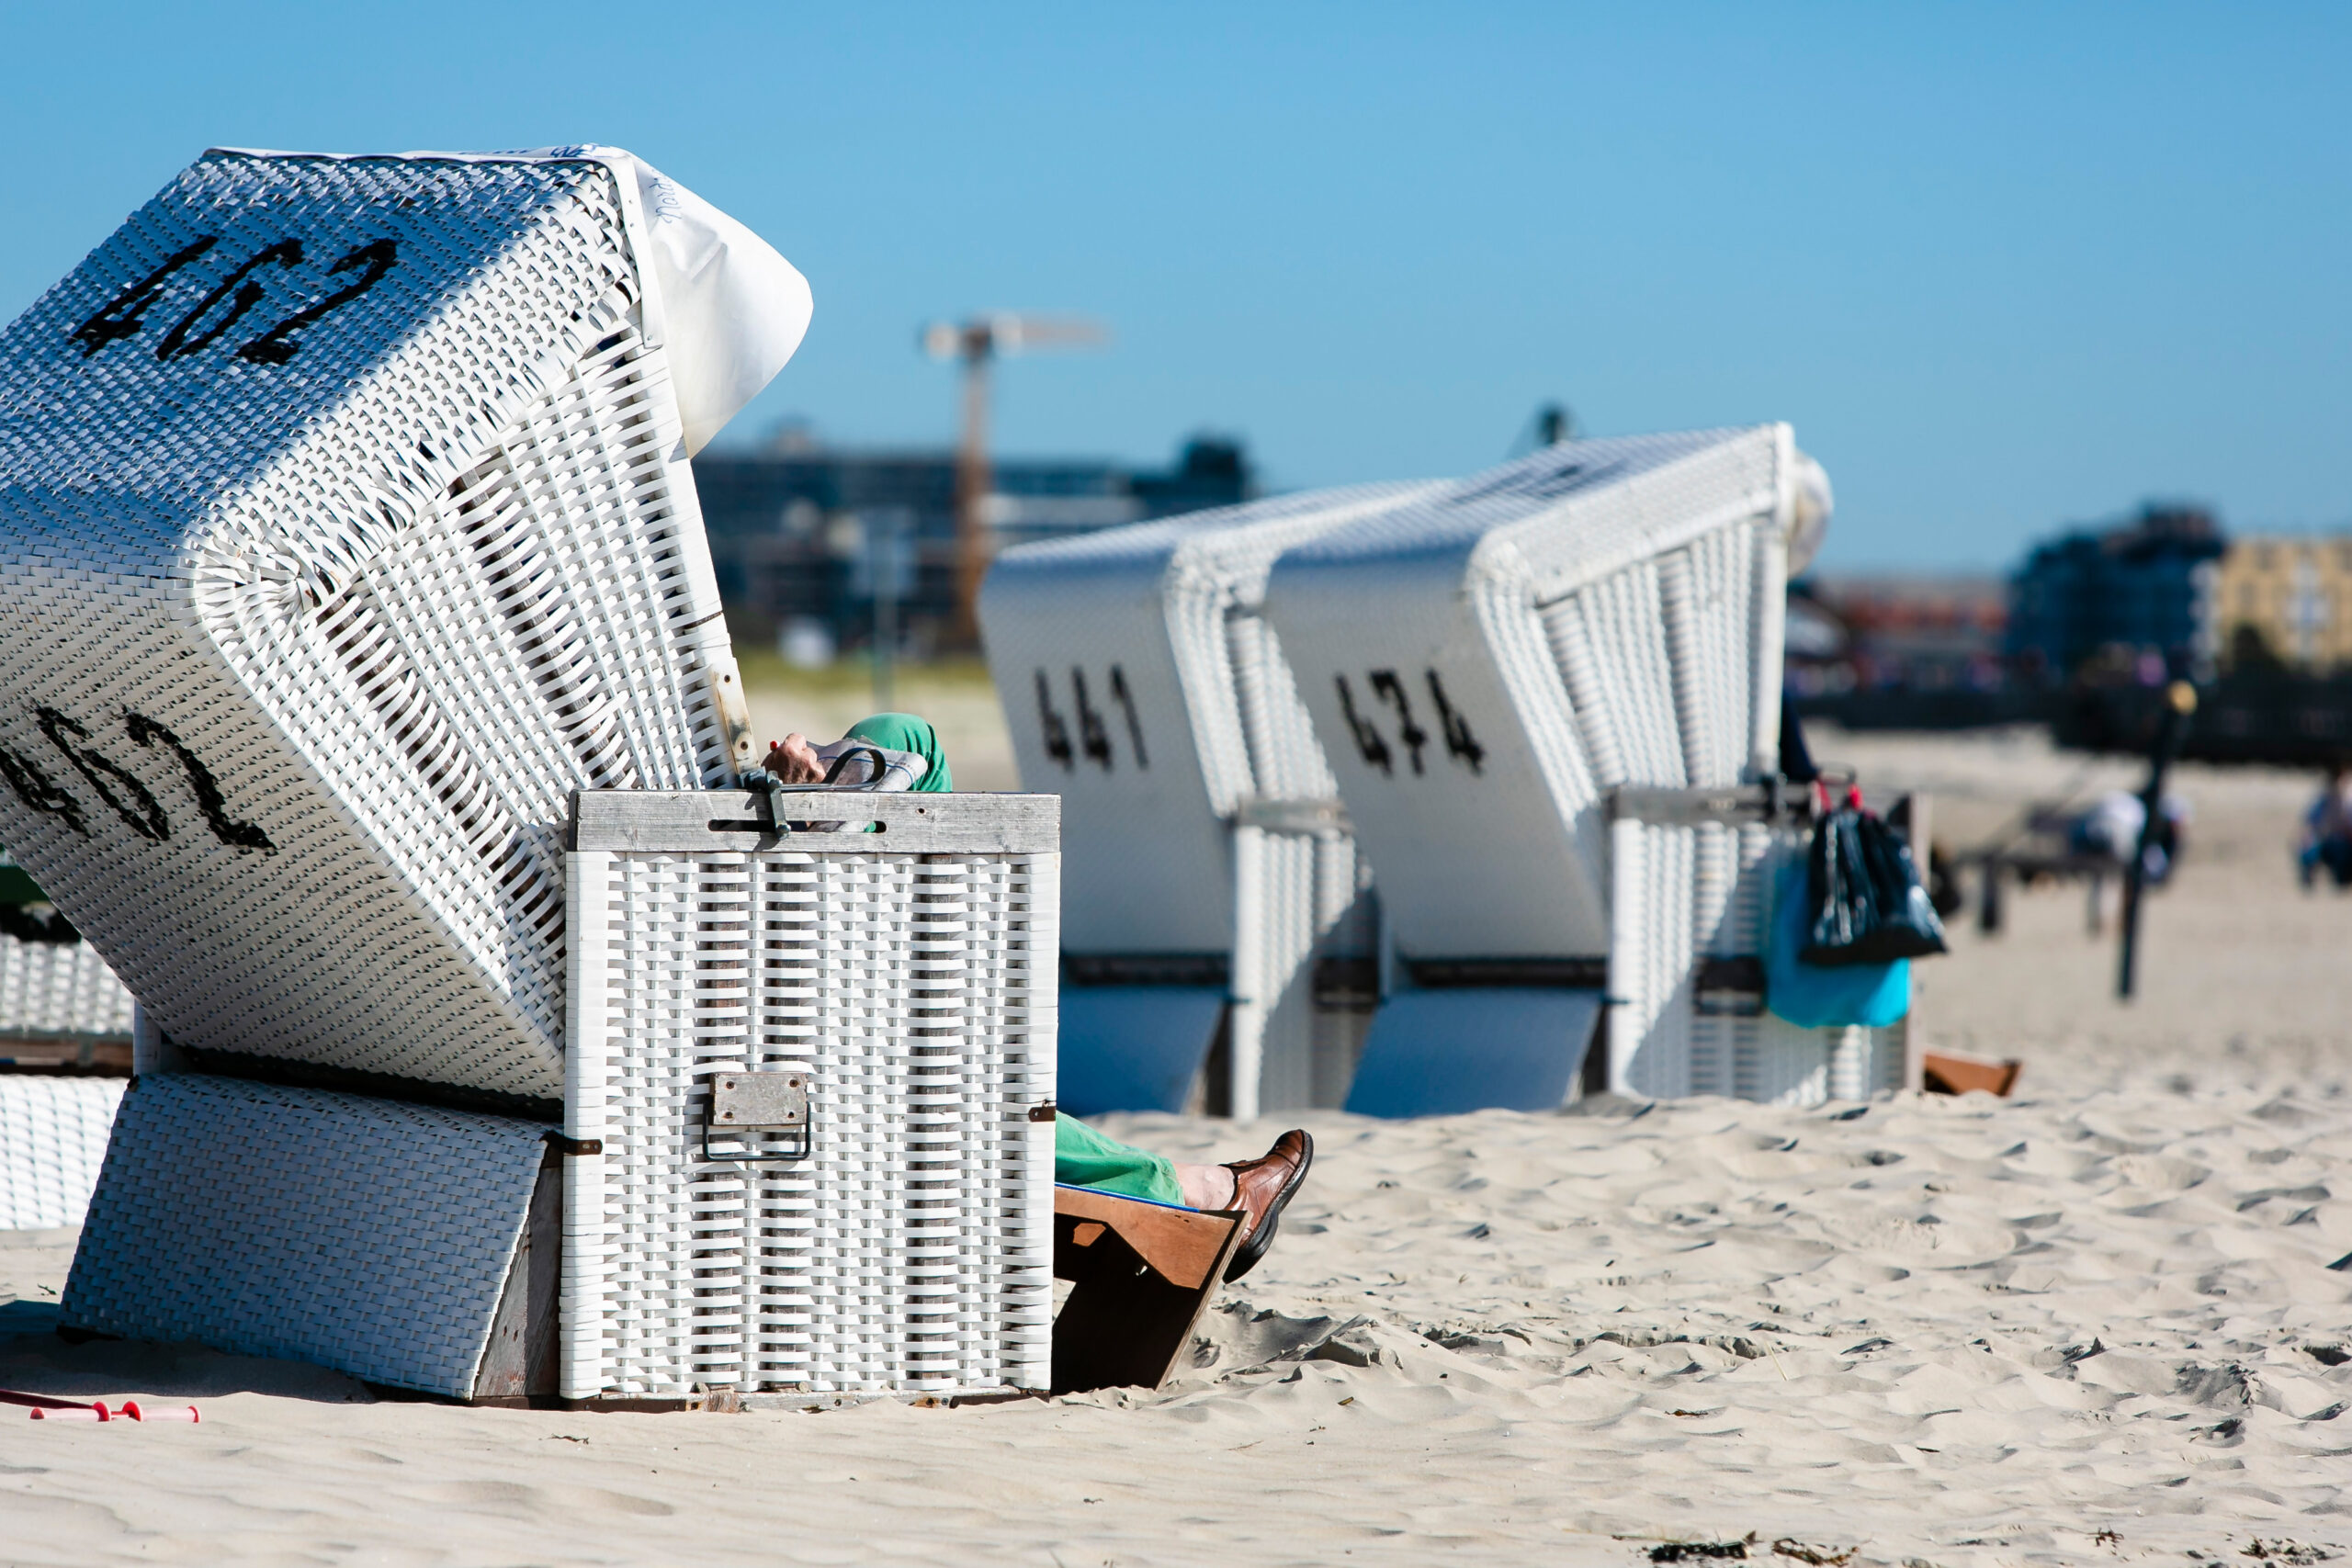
[(2109, 831), (912, 758), (2326, 843), (2111, 828)]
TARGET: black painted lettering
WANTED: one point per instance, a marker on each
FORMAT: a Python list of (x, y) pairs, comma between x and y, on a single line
[(1057, 733), (1369, 744), (1120, 696), (1386, 684), (33, 785), (177, 345), (210, 800), (141, 813), (276, 346), (1093, 736), (123, 315), (1460, 743)]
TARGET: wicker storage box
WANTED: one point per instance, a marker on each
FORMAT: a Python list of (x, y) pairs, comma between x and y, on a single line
[(1142, 683), (1485, 664), (345, 526), (900, 983)]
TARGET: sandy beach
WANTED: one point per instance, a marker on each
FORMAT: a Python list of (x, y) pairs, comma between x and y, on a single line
[(2094, 1322)]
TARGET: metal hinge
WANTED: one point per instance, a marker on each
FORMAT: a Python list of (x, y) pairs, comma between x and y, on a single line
[(743, 1104)]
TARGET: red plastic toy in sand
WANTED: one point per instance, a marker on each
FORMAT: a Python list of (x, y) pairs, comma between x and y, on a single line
[(46, 1407), (159, 1413)]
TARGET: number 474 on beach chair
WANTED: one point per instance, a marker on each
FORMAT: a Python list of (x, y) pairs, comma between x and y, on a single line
[(1142, 1273)]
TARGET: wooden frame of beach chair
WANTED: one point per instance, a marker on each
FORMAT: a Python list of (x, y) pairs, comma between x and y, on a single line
[(1949, 1072), (1142, 1274), (1141, 683)]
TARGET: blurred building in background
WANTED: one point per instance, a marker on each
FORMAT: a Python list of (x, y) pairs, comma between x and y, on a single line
[(2285, 602), (2137, 593), (1912, 652), (1919, 633), (2102, 619), (807, 538), (2129, 604), (2086, 634)]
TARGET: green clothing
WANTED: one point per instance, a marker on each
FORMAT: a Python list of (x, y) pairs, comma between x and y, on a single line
[(1084, 1157), (905, 732)]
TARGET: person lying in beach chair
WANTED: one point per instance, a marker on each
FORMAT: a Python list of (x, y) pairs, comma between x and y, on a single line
[(907, 751)]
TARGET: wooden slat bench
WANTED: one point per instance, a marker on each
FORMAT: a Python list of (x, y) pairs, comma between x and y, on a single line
[(1143, 1273)]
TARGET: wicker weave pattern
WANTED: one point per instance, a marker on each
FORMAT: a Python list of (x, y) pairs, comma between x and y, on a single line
[(60, 987), (1685, 892), (1485, 662), (911, 1250), (363, 1235), (1604, 612), (1310, 899), (395, 597), (52, 1139)]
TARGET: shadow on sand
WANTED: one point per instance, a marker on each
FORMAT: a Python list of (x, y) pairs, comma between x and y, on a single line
[(34, 1360)]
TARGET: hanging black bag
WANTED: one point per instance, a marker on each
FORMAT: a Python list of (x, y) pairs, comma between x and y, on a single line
[(1867, 906)]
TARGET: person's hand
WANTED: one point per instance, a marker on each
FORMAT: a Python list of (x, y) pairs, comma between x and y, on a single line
[(794, 761)]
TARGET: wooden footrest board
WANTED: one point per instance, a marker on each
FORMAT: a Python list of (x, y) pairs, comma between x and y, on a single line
[(1144, 1273)]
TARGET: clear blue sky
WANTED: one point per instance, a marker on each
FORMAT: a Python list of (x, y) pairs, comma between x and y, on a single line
[(2002, 266)]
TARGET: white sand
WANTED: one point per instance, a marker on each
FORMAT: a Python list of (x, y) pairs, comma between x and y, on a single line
[(1950, 1331)]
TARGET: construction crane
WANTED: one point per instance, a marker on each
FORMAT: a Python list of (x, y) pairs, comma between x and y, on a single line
[(976, 341)]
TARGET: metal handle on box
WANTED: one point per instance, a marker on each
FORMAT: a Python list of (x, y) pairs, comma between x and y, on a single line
[(746, 1103)]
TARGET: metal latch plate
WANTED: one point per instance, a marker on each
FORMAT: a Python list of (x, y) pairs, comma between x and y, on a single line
[(750, 1100)]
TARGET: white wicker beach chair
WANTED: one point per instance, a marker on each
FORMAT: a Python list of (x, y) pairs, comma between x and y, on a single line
[(1486, 665), (54, 989), (1207, 861), (348, 531), (345, 526), (811, 1099), (60, 1006), (60, 991), (1691, 883), (53, 1137), (60, 1010)]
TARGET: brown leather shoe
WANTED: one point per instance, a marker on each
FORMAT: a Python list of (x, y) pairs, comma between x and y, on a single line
[(1260, 1188)]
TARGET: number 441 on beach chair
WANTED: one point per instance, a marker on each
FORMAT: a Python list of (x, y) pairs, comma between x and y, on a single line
[(1142, 1274)]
